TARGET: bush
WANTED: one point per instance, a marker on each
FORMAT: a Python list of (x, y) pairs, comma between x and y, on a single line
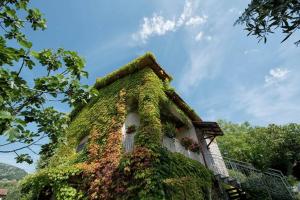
[(195, 147), (186, 142), (169, 129), (190, 144)]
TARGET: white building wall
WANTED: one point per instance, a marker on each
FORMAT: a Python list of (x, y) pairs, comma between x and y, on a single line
[(173, 145), (213, 156), (132, 118), (188, 132), (219, 166)]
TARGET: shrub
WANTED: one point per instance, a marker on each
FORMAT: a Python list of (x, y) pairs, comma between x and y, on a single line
[(190, 144), (169, 129), (186, 142), (195, 147)]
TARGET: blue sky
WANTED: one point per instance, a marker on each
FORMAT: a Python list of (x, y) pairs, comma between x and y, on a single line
[(217, 69)]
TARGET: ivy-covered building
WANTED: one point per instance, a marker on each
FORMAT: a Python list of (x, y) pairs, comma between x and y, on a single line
[(136, 140)]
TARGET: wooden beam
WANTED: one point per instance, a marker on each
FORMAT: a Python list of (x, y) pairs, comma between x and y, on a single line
[(210, 142)]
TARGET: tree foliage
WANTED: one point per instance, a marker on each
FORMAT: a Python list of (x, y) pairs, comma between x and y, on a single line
[(31, 81), (263, 17), (274, 146)]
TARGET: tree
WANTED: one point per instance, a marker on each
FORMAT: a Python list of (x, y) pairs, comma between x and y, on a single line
[(263, 17), (26, 112), (273, 146)]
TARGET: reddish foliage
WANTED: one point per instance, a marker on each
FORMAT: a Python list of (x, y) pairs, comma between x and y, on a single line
[(101, 166), (136, 162), (186, 142), (195, 147), (190, 144)]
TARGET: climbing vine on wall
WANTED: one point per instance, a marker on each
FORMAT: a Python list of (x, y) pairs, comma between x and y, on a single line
[(55, 182), (101, 165), (102, 170)]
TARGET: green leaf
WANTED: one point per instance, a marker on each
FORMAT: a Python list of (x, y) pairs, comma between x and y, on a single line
[(35, 54), (12, 134), (24, 158), (25, 44), (5, 115), (10, 12), (21, 5)]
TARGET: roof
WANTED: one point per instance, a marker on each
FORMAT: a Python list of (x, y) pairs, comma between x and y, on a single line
[(180, 103), (147, 60), (3, 192), (210, 128)]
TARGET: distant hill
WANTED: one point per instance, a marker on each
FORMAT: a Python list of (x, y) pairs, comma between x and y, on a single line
[(10, 172)]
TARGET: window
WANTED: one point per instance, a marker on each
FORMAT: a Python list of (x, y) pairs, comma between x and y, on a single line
[(82, 144)]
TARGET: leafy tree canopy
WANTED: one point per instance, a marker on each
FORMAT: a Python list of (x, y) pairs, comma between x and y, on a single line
[(24, 103), (274, 146), (262, 17)]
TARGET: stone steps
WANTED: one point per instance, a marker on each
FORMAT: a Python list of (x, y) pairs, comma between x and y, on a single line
[(234, 193)]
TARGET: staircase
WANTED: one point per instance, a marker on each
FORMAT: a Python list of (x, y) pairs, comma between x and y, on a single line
[(236, 193), (243, 177)]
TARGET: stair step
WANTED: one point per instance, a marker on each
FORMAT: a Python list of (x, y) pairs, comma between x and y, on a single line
[(246, 169), (235, 193), (230, 189), (236, 197)]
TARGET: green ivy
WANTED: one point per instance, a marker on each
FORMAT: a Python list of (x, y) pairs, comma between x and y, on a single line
[(184, 178), (149, 172), (57, 179)]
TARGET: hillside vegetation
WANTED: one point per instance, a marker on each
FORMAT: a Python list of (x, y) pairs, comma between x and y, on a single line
[(10, 172), (9, 176)]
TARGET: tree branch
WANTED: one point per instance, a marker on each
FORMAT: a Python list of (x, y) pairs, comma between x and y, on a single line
[(3, 27), (32, 151), (23, 62), (15, 150), (5, 144)]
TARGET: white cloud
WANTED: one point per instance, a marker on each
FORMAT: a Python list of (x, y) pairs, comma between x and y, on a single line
[(204, 61), (235, 11), (232, 10), (249, 51), (202, 64), (157, 25), (276, 75), (270, 104), (225, 90), (187, 12), (193, 21), (209, 38), (199, 36)]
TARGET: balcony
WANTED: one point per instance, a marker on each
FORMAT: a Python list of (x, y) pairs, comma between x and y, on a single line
[(173, 145)]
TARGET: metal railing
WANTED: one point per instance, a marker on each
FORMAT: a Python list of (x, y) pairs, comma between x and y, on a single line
[(272, 181)]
